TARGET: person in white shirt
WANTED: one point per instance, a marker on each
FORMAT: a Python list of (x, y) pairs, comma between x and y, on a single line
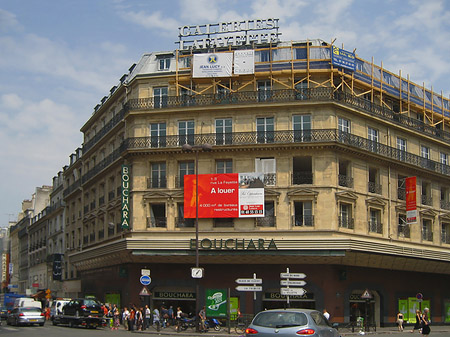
[(125, 316), (326, 314)]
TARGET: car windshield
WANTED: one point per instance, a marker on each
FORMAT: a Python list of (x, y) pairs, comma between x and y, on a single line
[(280, 319)]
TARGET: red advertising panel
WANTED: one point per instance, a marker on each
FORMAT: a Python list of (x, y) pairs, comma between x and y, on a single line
[(411, 207), (227, 195)]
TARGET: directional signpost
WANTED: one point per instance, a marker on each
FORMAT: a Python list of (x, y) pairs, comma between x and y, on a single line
[(251, 285), (288, 282)]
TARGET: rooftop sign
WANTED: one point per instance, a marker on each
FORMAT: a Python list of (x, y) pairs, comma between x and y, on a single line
[(232, 33)]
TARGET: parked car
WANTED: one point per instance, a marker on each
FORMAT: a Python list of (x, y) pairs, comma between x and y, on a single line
[(290, 322), (83, 307), (3, 313), (26, 315), (57, 307)]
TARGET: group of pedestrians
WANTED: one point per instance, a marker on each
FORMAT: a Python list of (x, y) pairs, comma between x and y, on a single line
[(422, 322), (141, 318)]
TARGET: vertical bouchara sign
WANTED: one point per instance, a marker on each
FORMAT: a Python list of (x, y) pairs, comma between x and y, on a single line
[(125, 197)]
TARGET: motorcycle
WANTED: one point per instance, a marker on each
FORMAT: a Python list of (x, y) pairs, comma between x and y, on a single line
[(212, 323), (185, 323)]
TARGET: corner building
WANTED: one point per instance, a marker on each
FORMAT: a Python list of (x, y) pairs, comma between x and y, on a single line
[(335, 146)]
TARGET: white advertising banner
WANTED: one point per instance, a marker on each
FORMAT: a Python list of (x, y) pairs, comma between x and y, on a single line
[(212, 65), (244, 62)]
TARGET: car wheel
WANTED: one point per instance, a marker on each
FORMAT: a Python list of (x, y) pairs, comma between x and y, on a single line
[(41, 324)]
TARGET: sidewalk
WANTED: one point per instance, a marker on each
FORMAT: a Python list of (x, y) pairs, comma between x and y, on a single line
[(224, 332)]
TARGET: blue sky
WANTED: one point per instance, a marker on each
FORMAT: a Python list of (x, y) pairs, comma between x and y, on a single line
[(58, 58)]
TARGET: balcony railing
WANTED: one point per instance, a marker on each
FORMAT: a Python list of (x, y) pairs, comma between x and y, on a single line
[(183, 222), (404, 231), (345, 181), (375, 227), (157, 183), (303, 177), (303, 220), (427, 200), (374, 187), (156, 222), (270, 179), (345, 222), (267, 221)]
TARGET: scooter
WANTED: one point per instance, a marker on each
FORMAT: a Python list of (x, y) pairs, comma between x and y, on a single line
[(212, 323)]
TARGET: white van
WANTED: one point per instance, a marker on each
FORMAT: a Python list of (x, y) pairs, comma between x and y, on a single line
[(57, 306), (27, 302)]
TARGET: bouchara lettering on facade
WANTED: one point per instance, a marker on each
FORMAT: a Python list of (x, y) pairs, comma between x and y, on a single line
[(125, 210)]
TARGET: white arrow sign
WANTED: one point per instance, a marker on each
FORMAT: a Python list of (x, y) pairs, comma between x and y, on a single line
[(292, 275), (292, 291), (292, 283), (249, 288), (249, 281)]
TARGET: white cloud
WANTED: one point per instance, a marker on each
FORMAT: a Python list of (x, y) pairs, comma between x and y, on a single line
[(8, 21), (11, 101), (155, 20)]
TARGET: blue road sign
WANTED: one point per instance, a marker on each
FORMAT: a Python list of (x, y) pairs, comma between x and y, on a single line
[(145, 280)]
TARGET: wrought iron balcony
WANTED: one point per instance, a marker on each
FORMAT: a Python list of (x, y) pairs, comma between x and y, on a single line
[(345, 222), (374, 187), (184, 222), (267, 221), (427, 200), (156, 222), (157, 182), (375, 227), (404, 231), (345, 181), (445, 205), (303, 220), (303, 177)]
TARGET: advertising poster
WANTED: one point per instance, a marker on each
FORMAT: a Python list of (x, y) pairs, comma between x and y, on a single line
[(226, 195), (234, 308), (216, 302), (411, 207), (447, 312), (244, 62), (403, 307), (413, 305), (212, 65)]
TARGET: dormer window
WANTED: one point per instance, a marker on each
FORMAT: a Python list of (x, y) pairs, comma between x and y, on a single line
[(164, 63)]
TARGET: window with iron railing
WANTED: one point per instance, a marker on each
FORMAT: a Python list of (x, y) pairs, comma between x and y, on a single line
[(269, 219), (401, 187), (375, 225), (445, 233), (427, 230), (403, 229)]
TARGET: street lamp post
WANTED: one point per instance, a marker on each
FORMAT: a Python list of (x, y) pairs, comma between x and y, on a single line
[(196, 149)]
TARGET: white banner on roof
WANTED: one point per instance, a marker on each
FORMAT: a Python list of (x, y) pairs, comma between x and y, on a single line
[(244, 62), (212, 65)]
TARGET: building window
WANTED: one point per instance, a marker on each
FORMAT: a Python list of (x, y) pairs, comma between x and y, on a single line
[(269, 215), (444, 158), (160, 97), (180, 221), (187, 97), (345, 216), (157, 216), (401, 187), (264, 91), (265, 130), (303, 214), (403, 227), (268, 167), (158, 135), (427, 230), (344, 125), (401, 147), (186, 132), (224, 166), (164, 63), (445, 233), (158, 176), (262, 55), (373, 185), (426, 194), (302, 128), (444, 202), (344, 177), (224, 131), (372, 135), (375, 225), (425, 152), (301, 90), (224, 222), (302, 170), (186, 167)]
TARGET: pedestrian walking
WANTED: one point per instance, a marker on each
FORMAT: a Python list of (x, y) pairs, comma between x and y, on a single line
[(418, 323), (131, 319), (326, 314), (156, 319), (202, 317), (116, 317), (125, 317), (139, 319), (426, 322), (400, 321), (148, 316)]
